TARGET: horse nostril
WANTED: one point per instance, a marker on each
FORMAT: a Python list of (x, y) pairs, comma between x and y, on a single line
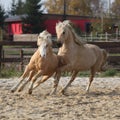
[(44, 55), (59, 44)]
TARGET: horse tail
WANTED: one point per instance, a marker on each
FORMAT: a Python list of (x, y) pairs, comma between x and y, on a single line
[(105, 56)]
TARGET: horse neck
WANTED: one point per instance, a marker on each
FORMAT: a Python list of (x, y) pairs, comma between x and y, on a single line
[(69, 42), (50, 52)]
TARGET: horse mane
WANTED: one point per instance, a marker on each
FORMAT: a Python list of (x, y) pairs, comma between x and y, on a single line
[(72, 26), (44, 36)]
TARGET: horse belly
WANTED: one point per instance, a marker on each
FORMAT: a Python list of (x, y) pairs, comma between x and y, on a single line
[(85, 62)]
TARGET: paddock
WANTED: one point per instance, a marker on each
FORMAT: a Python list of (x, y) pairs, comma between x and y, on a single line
[(103, 101), (20, 52)]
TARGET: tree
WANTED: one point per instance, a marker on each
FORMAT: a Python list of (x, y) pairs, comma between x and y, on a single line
[(20, 8), (79, 7), (116, 8), (97, 7), (17, 8), (13, 8), (2, 17), (74, 7), (33, 22)]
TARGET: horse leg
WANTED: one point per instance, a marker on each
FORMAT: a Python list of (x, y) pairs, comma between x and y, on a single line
[(90, 79), (24, 75), (44, 78), (39, 73), (24, 84), (56, 81), (74, 74)]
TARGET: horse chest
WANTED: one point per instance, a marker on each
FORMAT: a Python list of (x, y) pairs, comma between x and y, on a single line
[(46, 64)]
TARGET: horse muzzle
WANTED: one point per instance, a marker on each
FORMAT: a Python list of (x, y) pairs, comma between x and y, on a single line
[(59, 44)]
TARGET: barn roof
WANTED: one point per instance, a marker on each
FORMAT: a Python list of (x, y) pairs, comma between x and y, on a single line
[(14, 18)]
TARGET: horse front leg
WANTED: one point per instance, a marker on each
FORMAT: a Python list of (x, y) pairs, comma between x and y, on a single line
[(44, 78), (56, 81), (39, 73), (24, 84), (24, 75), (74, 74), (64, 68)]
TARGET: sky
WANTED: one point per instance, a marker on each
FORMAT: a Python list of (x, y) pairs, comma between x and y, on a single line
[(7, 3)]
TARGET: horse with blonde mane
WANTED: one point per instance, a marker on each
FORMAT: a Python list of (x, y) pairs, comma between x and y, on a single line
[(77, 55), (43, 64)]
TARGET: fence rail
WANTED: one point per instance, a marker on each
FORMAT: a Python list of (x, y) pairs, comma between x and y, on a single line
[(24, 50), (102, 36)]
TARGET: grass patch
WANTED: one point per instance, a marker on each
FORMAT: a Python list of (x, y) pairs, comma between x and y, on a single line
[(9, 72), (108, 73), (12, 71)]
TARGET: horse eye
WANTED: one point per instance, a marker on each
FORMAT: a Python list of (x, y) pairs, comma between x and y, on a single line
[(63, 32)]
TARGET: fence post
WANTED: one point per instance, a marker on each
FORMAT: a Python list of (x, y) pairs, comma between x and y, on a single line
[(86, 37), (117, 34), (21, 58), (0, 57), (106, 36), (91, 37)]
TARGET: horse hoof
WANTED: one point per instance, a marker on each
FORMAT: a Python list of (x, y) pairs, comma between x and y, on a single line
[(30, 92), (62, 92), (19, 90), (52, 93), (12, 90)]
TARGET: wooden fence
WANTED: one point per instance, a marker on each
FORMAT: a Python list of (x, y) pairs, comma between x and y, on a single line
[(19, 51), (101, 37)]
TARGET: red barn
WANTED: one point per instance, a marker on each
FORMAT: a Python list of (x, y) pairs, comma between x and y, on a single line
[(14, 23)]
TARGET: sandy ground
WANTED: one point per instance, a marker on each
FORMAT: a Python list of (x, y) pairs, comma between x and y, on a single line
[(102, 103)]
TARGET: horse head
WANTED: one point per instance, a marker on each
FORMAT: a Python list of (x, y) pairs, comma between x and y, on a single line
[(62, 32), (65, 32), (44, 43)]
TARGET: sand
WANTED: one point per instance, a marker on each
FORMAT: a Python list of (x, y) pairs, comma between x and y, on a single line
[(102, 103)]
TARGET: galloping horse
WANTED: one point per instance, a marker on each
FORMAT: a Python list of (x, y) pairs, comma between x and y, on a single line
[(43, 64), (76, 55)]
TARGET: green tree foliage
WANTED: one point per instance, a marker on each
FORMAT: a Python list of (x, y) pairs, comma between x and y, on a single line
[(17, 8), (33, 22), (2, 17), (13, 8), (20, 7), (115, 8)]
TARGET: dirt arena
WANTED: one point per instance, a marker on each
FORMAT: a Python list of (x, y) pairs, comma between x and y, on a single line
[(102, 103)]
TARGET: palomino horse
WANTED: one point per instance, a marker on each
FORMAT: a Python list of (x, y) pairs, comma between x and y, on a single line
[(43, 63), (77, 56)]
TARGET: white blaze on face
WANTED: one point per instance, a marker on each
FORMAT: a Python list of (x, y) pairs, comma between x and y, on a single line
[(42, 49)]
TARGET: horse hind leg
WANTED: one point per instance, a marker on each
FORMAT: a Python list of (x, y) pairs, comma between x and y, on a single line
[(104, 64), (90, 79), (24, 75)]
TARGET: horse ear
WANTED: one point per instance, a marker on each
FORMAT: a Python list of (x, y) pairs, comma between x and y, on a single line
[(59, 22), (46, 31), (38, 41)]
